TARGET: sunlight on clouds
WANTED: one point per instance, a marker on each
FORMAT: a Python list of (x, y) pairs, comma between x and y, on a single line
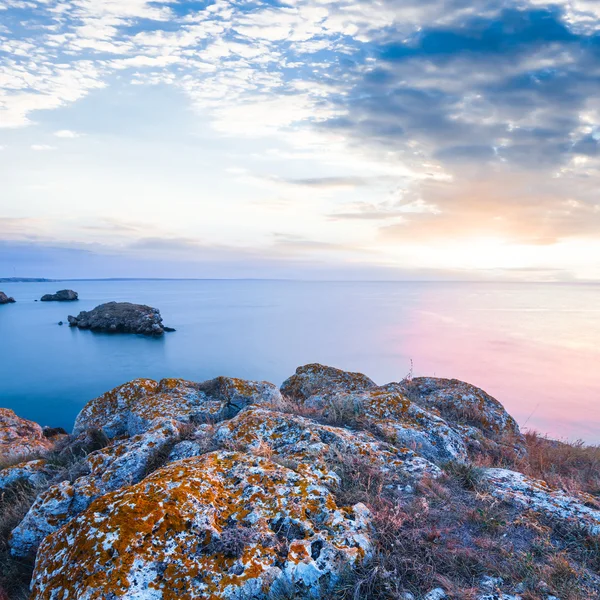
[(404, 133)]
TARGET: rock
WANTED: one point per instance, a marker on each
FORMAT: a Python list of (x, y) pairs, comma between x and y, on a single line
[(4, 299), (315, 383), (221, 526), (120, 317), (35, 473), (387, 408), (458, 401), (215, 489), (121, 464), (436, 594), (538, 496), (404, 423), (19, 437), (490, 584), (130, 409), (316, 450), (481, 419), (61, 296)]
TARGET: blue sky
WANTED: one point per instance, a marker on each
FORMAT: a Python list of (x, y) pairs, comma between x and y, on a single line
[(313, 138)]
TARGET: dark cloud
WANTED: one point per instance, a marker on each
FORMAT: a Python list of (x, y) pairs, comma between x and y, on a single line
[(511, 32), (502, 87)]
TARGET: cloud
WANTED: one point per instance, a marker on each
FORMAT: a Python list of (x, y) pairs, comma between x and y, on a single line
[(390, 120), (330, 182), (67, 134), (42, 147), (509, 206)]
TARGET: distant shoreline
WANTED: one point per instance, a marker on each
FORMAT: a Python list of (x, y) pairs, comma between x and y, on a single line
[(395, 281)]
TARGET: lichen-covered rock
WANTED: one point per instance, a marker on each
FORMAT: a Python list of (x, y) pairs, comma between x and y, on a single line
[(460, 401), (130, 408), (121, 317), (404, 423), (224, 525), (316, 449), (52, 506), (123, 463), (200, 442), (35, 473), (386, 408), (538, 496), (20, 437), (4, 299), (61, 296), (481, 420), (313, 384)]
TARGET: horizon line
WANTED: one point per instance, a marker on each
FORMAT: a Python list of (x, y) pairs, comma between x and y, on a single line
[(298, 280)]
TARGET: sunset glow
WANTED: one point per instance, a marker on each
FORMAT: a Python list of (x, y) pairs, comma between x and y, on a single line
[(320, 139)]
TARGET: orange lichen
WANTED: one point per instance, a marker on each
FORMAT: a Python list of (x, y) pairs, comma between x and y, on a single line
[(159, 532)]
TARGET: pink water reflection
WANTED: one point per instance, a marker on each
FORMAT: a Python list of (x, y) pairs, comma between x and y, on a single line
[(542, 364)]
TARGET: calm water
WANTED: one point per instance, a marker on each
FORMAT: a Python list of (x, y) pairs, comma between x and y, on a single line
[(534, 347)]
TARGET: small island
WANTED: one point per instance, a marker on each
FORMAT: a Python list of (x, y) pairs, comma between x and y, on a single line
[(61, 296), (121, 317), (4, 299)]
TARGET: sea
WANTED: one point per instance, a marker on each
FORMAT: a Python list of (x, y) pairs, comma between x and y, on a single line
[(534, 347)]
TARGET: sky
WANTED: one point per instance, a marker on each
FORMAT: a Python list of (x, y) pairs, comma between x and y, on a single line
[(313, 139)]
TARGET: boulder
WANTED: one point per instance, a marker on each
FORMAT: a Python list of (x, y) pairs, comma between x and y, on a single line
[(61, 296), (121, 317), (223, 526), (130, 408), (121, 464), (317, 450), (386, 408), (35, 473), (315, 384), (405, 423), (4, 299), (460, 402), (538, 496), (19, 437)]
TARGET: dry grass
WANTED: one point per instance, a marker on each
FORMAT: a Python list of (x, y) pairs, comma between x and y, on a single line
[(15, 574), (450, 532), (573, 467)]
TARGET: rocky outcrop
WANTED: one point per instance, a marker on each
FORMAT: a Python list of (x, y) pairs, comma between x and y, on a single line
[(458, 402), (131, 408), (121, 317), (386, 408), (315, 384), (19, 437), (229, 489), (123, 463), (481, 420), (538, 496), (4, 299), (316, 449), (35, 473), (61, 296), (224, 525)]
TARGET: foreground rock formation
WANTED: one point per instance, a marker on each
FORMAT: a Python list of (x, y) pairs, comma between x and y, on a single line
[(233, 489), (4, 299), (121, 317), (19, 437), (61, 296)]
